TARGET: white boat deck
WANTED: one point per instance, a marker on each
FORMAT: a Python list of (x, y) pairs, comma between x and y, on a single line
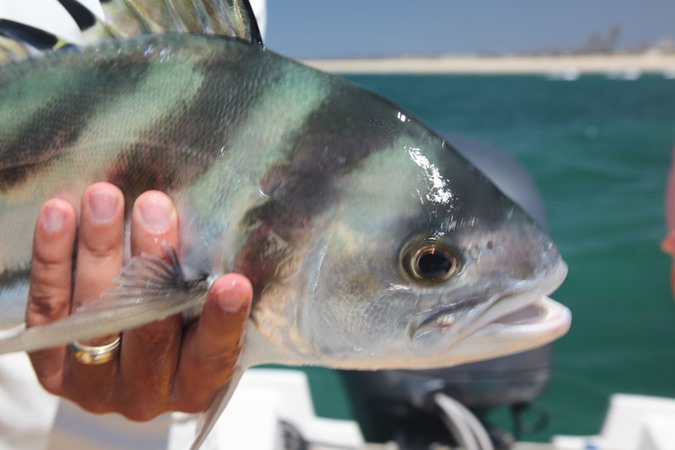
[(265, 398), (392, 446)]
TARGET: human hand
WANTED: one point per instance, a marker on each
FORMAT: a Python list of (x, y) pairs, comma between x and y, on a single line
[(160, 367)]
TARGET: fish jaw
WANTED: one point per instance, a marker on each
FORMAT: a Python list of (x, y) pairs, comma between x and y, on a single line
[(537, 324), (519, 320)]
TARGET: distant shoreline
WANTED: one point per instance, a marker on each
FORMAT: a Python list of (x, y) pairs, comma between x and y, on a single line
[(563, 66)]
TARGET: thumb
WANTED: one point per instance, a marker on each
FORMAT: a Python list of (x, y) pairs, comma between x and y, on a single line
[(211, 349)]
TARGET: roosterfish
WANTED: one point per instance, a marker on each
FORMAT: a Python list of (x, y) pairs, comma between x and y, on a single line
[(371, 243)]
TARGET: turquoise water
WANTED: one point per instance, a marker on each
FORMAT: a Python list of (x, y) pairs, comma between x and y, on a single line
[(599, 150)]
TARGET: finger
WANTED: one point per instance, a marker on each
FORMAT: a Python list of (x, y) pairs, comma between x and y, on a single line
[(100, 253), (100, 250), (154, 223), (150, 353), (211, 349), (51, 283)]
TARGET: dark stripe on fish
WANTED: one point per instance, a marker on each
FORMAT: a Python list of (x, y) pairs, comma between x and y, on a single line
[(176, 152), (58, 124), (14, 286), (334, 141), (9, 278)]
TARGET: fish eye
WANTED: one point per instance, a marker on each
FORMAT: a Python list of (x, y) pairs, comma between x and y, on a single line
[(430, 261)]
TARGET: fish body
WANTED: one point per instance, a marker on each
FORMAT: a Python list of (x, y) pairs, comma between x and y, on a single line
[(302, 181), (370, 242)]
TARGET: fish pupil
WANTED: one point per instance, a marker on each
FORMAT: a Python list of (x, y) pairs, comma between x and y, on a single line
[(434, 265)]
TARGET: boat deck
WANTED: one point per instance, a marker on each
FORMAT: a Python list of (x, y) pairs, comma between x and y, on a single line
[(393, 446)]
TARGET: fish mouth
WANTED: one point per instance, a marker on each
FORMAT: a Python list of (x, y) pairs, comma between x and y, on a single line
[(516, 321), (535, 324)]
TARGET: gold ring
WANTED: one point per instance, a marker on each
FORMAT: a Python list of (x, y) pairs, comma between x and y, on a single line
[(91, 355)]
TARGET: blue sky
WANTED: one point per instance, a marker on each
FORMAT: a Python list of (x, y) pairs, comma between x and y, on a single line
[(330, 28)]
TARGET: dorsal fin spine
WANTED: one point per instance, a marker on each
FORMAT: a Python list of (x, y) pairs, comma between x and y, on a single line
[(129, 18)]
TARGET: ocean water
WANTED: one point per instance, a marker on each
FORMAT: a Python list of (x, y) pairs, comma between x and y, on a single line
[(599, 150)]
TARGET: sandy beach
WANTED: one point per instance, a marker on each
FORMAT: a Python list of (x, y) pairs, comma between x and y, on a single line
[(564, 66)]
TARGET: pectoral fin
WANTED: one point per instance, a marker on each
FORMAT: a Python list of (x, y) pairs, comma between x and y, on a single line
[(149, 289)]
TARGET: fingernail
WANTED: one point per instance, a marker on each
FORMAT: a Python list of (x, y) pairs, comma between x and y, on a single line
[(53, 218), (156, 213), (231, 301), (103, 205)]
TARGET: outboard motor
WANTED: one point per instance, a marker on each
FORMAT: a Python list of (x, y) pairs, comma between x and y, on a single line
[(410, 407)]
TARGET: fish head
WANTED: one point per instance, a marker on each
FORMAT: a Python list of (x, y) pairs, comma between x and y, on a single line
[(425, 263)]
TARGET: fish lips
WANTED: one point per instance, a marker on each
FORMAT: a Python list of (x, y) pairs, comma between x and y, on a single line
[(518, 320)]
